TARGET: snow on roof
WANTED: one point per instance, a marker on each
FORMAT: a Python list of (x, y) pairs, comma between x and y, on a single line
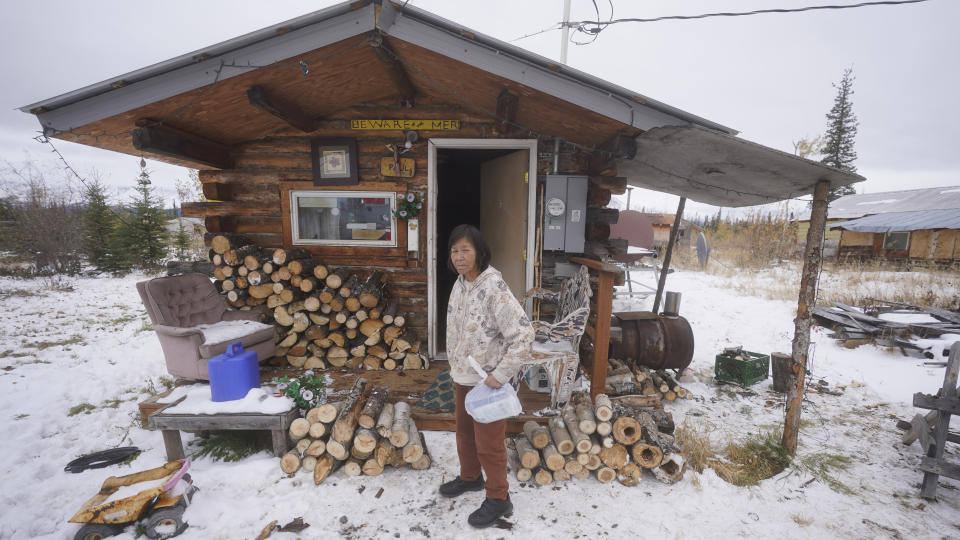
[(910, 200), (904, 221)]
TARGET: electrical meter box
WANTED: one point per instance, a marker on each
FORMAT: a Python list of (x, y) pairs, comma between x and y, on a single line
[(565, 213)]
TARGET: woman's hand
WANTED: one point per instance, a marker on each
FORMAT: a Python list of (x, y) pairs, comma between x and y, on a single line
[(492, 382)]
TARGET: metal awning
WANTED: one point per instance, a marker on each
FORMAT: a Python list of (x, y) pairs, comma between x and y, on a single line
[(720, 169), (904, 221)]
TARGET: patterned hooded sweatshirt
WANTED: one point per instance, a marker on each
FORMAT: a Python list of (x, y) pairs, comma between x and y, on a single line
[(486, 322)]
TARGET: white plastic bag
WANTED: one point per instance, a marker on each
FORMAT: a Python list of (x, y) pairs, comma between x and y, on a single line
[(488, 404)]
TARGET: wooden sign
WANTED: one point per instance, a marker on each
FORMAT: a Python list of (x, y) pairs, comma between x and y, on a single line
[(406, 125), (388, 167)]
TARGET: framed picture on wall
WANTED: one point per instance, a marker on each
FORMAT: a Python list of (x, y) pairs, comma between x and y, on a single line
[(334, 162)]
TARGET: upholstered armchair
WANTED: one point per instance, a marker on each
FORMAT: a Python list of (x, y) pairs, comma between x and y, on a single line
[(557, 344), (193, 324)]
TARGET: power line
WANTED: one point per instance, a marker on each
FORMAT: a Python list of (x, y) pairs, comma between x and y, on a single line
[(599, 25)]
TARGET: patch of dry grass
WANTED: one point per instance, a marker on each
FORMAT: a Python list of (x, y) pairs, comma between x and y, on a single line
[(740, 462)]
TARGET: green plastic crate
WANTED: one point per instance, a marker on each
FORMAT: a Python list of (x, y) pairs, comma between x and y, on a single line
[(743, 367)]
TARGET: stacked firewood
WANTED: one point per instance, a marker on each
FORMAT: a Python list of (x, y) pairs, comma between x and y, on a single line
[(631, 379), (361, 434), (613, 438), (326, 317)]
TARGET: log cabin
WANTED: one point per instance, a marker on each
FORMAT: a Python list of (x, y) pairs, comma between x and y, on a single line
[(307, 134)]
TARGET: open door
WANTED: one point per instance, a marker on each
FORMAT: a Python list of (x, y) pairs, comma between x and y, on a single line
[(503, 216)]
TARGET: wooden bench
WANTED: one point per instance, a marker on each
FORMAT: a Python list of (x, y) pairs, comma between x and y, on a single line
[(171, 425)]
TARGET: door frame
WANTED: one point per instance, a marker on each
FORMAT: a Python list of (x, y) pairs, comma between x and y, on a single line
[(432, 249)]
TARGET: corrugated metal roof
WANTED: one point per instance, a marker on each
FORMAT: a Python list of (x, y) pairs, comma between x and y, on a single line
[(910, 200), (904, 221)]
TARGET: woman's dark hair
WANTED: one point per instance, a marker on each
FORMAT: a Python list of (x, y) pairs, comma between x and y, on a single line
[(475, 237)]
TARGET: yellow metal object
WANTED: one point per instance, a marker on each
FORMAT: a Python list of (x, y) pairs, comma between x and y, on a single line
[(128, 509), (388, 167)]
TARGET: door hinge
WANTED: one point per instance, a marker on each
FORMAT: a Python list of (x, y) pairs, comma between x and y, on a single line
[(524, 255), (526, 177)]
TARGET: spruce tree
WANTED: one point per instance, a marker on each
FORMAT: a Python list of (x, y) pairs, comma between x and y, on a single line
[(99, 223), (838, 141), (145, 232)]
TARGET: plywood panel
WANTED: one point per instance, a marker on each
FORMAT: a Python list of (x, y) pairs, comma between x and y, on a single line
[(921, 244), (947, 245), (853, 238)]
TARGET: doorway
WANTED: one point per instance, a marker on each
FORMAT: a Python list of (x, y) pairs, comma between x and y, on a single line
[(484, 183)]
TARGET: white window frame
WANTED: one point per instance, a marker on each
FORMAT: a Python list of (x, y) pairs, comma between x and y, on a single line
[(295, 217), (892, 234)]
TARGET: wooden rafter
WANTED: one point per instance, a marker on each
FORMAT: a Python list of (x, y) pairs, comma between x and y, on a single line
[(164, 140), (394, 69), (281, 108), (604, 160)]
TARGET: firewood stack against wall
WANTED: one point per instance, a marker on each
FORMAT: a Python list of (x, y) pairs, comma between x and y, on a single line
[(327, 317)]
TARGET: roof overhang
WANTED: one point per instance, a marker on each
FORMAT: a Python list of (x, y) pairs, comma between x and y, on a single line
[(334, 24), (904, 221), (719, 169)]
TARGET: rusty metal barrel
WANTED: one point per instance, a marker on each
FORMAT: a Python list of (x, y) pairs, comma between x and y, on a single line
[(655, 341)]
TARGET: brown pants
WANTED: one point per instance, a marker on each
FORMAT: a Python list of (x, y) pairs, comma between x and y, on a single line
[(481, 445)]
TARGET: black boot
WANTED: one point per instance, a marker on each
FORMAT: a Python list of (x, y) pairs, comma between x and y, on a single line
[(490, 511), (457, 487)]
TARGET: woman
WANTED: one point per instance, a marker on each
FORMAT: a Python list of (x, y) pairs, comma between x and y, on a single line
[(486, 322)]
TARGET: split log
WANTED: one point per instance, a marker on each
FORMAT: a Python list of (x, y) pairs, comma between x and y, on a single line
[(302, 446), (387, 453), (606, 475), (390, 311), (222, 242), (371, 410), (308, 463), (313, 415), (318, 429), (389, 334), (372, 363), (400, 430), (339, 450), (385, 420), (371, 326), (413, 361), (412, 451), (336, 278), (630, 474), (560, 435), (352, 467), (552, 458), (365, 440), (324, 467), (404, 341), (626, 430), (346, 422), (290, 463), (315, 332), (319, 320), (561, 476), (299, 429), (671, 468), (543, 476), (371, 290), (346, 288), (337, 338), (283, 256), (595, 445), (614, 457), (572, 466), (290, 339), (337, 356), (580, 439), (296, 361), (583, 474), (372, 467), (537, 434), (328, 412), (523, 474), (593, 462), (586, 421), (425, 460), (603, 408), (529, 457)]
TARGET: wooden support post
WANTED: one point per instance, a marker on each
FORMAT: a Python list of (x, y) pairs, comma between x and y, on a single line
[(668, 254), (288, 112), (806, 301), (601, 333), (932, 464)]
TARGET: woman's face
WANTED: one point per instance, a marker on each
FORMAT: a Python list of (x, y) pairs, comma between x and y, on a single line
[(464, 258)]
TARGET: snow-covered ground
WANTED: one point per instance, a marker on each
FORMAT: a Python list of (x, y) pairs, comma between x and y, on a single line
[(74, 364)]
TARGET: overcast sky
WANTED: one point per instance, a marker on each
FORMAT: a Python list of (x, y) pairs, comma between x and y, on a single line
[(769, 76)]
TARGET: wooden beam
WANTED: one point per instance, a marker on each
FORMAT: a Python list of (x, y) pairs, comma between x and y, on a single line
[(604, 161), (394, 69), (507, 106), (216, 191), (171, 142), (282, 109), (805, 303), (668, 254), (227, 208)]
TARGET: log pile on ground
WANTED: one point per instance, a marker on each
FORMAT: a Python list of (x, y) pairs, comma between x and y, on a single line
[(326, 317), (656, 384), (361, 434), (609, 439)]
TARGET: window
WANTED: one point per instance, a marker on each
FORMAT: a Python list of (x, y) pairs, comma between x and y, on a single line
[(896, 240), (343, 218)]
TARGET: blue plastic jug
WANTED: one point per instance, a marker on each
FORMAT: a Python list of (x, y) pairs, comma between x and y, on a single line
[(233, 373)]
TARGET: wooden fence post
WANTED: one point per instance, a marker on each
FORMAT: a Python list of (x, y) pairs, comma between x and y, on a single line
[(801, 335), (668, 254)]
